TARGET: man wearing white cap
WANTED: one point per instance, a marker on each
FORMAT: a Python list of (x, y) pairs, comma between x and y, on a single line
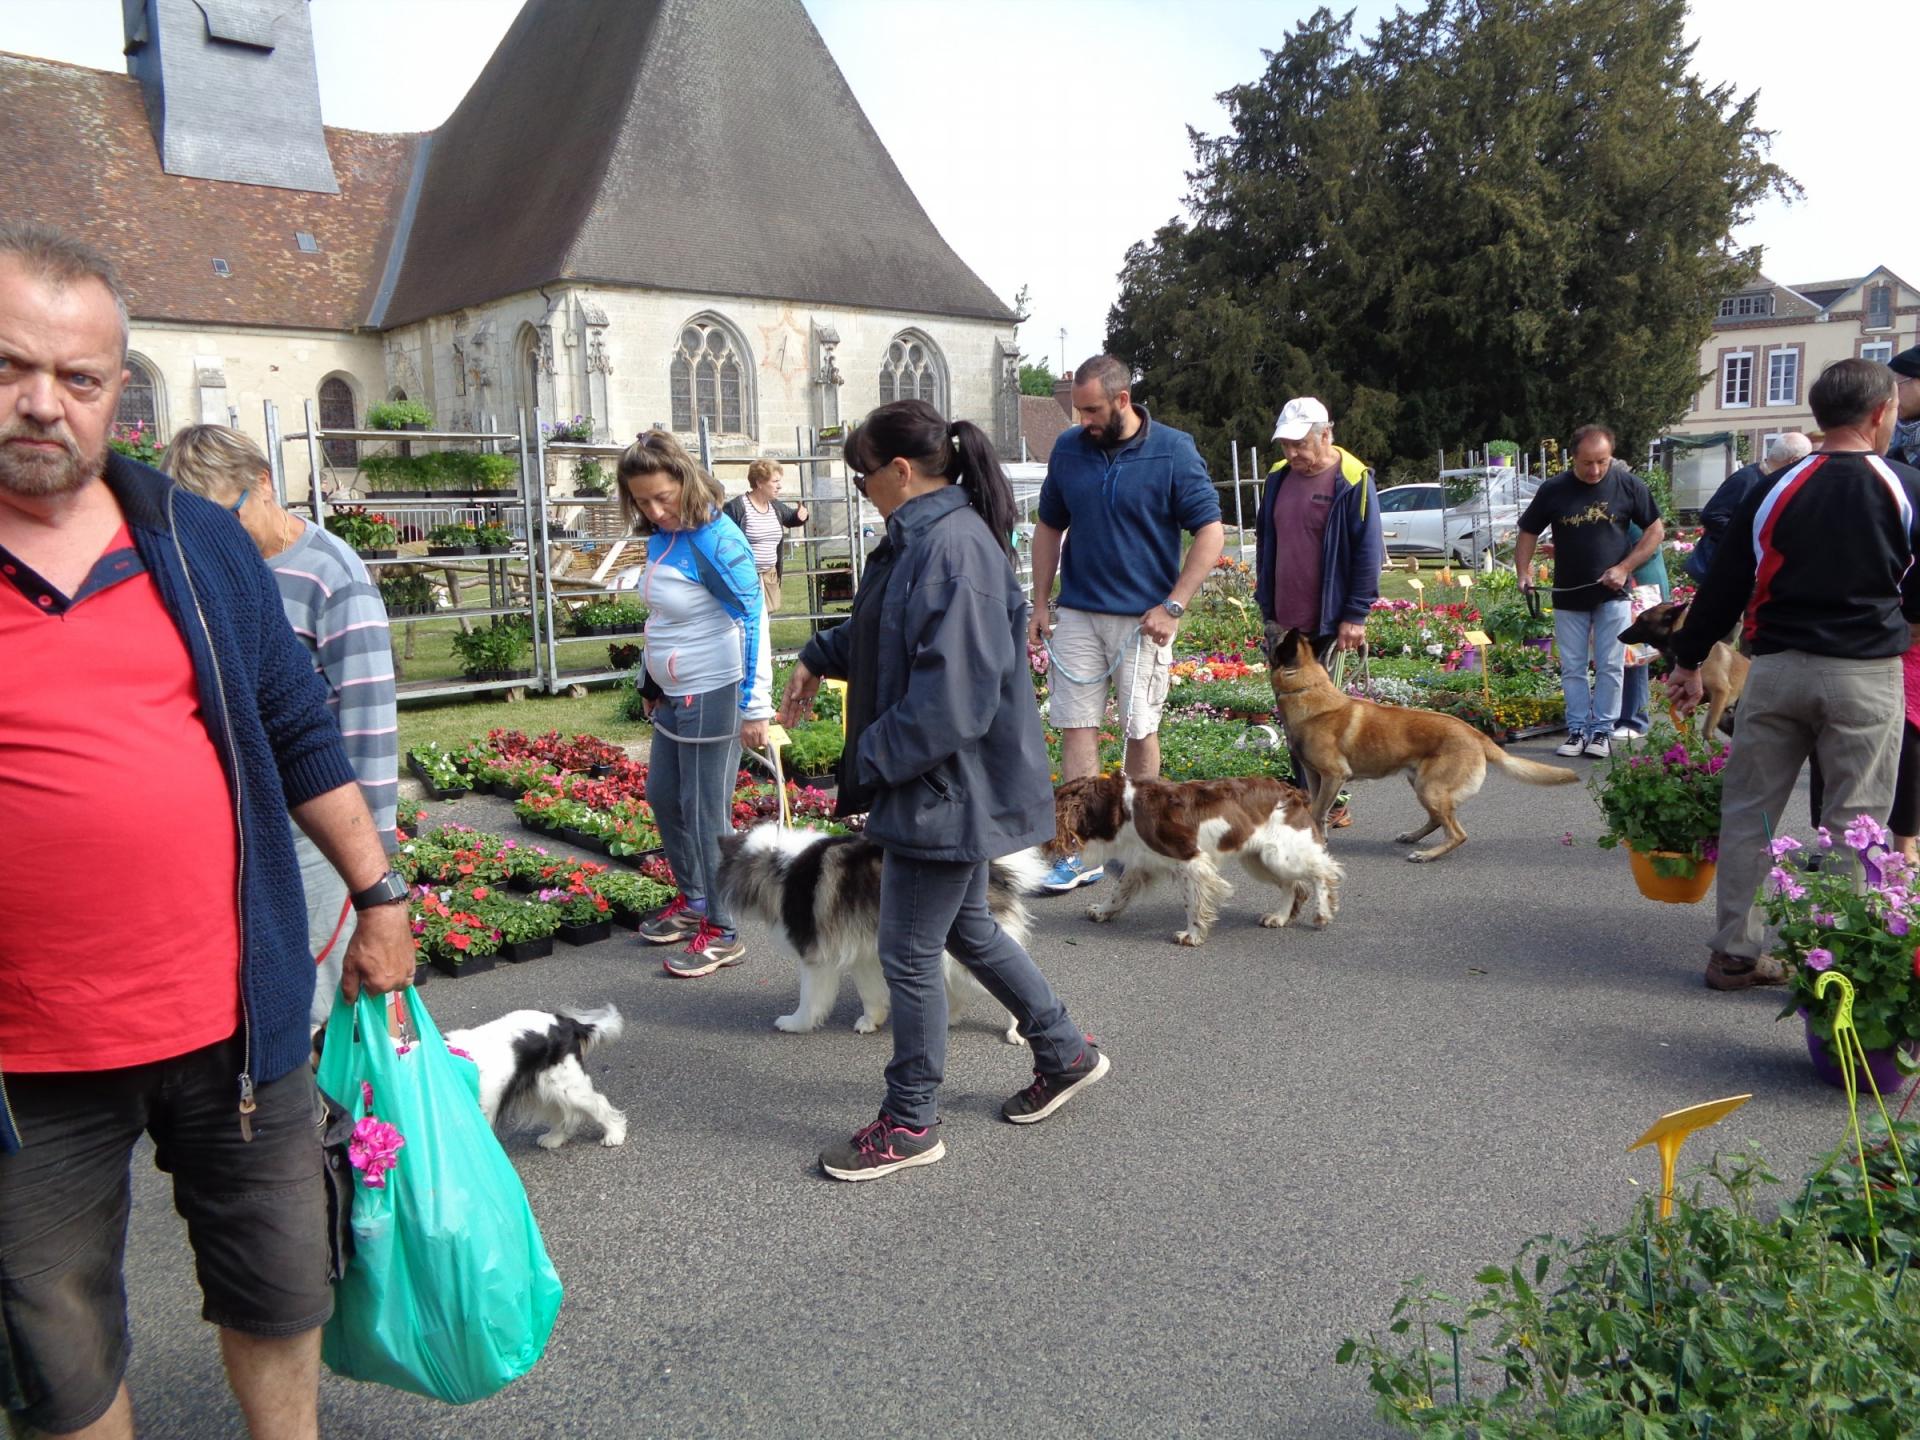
[(1317, 538)]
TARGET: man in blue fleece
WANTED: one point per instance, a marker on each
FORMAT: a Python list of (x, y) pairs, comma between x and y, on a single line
[(1120, 488)]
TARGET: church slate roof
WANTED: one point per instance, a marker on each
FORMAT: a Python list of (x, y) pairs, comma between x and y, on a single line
[(709, 146), (76, 152)]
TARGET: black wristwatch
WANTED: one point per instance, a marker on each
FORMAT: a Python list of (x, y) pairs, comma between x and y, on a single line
[(386, 890), (1173, 608)]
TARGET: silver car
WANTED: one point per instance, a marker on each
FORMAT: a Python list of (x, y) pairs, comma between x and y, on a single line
[(1411, 524)]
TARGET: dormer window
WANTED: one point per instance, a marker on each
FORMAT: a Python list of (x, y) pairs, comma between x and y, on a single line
[(1880, 308), (1745, 307), (220, 267)]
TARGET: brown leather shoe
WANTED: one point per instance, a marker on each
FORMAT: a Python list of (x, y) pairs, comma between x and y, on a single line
[(1738, 972), (1339, 818)]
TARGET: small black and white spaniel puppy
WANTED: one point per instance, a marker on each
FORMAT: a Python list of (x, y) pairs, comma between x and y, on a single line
[(531, 1071)]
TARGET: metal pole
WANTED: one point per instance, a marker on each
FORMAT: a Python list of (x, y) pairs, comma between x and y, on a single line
[(276, 462), (1239, 514), (706, 446), (315, 501), (543, 562)]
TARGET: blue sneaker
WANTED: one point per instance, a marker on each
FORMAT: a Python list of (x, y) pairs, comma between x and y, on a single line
[(1070, 874)]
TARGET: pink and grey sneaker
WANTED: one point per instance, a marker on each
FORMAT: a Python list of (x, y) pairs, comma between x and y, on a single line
[(1049, 1092), (672, 923), (710, 949), (882, 1148)]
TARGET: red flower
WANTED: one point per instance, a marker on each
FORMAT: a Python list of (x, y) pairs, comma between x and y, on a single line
[(479, 892), (458, 941)]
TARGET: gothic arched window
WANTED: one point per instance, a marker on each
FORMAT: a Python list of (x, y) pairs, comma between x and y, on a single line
[(912, 369), (337, 413), (710, 379), (140, 400)]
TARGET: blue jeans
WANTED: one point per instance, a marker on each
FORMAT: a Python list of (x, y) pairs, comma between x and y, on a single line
[(1592, 637), (1633, 700), (927, 906), (690, 779)]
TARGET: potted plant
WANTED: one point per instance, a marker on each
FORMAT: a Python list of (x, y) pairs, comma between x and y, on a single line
[(1827, 921), (406, 592), (630, 897), (399, 415), (454, 939), (582, 912), (577, 431), (590, 479), (371, 536), (610, 617), (526, 927), (496, 651), (1662, 801), (456, 537), (434, 768), (490, 537)]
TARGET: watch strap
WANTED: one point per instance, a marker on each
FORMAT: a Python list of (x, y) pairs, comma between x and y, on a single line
[(389, 888)]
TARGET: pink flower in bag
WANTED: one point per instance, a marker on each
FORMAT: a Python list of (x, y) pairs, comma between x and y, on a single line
[(374, 1150)]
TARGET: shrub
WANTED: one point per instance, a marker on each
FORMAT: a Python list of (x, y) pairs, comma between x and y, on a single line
[(397, 415), (814, 748), (491, 651)]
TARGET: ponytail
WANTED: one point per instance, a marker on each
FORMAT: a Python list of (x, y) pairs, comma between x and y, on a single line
[(959, 452), (976, 469)]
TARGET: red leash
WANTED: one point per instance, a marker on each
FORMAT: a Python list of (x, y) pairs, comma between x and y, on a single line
[(346, 909)]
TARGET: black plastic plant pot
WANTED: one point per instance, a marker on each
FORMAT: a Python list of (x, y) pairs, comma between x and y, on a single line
[(519, 951), (465, 966), (590, 933)]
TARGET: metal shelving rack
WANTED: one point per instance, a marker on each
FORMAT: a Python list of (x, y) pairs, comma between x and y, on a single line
[(519, 569), (556, 678)]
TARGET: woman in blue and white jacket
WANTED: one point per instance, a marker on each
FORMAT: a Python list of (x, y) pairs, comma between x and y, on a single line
[(708, 673)]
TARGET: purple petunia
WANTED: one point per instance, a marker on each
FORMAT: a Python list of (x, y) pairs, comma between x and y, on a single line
[(1782, 845), (1826, 838), (1819, 958), (1865, 832), (1780, 882), (1896, 923)]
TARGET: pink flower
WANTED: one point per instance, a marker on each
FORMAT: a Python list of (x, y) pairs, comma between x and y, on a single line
[(1782, 845), (1710, 848), (1825, 919), (1866, 832), (1567, 838), (1896, 923), (374, 1150), (1779, 882), (1819, 959), (1676, 756), (1826, 837)]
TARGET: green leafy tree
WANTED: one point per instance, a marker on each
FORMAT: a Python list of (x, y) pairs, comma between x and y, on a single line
[(1491, 217), (1036, 379)]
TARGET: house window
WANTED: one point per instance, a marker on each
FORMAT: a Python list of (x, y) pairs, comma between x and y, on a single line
[(1736, 381), (911, 370), (336, 413), (1881, 350), (1880, 308), (1742, 307), (708, 381), (139, 399), (1783, 377)]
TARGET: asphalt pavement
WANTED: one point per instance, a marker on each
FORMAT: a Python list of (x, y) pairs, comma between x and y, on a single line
[(1295, 1124)]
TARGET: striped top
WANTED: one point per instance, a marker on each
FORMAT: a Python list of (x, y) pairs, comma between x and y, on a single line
[(336, 611), (763, 530)]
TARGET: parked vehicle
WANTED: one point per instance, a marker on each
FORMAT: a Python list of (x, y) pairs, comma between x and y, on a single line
[(1413, 521)]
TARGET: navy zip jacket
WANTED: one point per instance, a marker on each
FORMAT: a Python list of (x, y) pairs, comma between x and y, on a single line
[(1351, 549), (266, 709), (942, 728), (1122, 515)]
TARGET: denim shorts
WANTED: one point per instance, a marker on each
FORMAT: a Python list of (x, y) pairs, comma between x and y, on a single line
[(256, 1213)]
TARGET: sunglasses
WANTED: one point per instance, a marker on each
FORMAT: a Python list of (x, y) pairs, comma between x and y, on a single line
[(235, 506)]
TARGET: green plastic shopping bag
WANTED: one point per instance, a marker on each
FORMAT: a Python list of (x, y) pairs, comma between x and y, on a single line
[(449, 1292)]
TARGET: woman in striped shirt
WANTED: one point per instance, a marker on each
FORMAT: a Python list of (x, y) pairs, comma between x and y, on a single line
[(763, 517), (337, 612)]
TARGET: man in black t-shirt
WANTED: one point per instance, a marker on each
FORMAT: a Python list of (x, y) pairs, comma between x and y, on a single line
[(1590, 508)]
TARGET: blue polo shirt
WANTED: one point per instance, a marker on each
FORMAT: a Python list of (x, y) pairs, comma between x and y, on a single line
[(1123, 514)]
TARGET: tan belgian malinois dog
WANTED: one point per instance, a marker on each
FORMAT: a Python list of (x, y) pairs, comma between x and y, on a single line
[(1339, 739)]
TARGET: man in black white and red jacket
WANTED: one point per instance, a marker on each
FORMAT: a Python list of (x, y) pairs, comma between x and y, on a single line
[(1820, 559)]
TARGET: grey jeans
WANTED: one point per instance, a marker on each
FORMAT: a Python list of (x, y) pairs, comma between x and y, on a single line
[(1848, 713), (927, 906), (690, 779)]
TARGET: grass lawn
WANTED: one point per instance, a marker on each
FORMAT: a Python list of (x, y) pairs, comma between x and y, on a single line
[(455, 721)]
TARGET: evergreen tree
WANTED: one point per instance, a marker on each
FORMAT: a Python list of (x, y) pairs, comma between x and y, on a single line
[(1493, 217)]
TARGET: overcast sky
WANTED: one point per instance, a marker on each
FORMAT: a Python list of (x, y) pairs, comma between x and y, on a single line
[(1045, 136)]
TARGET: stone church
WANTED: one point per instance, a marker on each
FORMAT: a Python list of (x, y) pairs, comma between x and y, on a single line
[(649, 211)]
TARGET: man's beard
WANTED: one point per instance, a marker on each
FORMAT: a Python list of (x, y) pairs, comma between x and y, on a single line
[(1108, 435), (38, 473)]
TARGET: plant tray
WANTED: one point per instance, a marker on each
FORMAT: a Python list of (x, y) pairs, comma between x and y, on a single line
[(520, 951), (434, 792), (471, 965), (640, 857), (378, 554), (452, 550), (1533, 732), (590, 933), (521, 885), (422, 972)]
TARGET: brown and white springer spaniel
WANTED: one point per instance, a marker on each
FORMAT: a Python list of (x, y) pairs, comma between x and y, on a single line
[(1156, 827)]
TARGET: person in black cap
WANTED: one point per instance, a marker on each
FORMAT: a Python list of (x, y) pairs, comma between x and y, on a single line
[(1906, 435)]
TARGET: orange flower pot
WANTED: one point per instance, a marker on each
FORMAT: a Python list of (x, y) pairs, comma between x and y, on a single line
[(1672, 890)]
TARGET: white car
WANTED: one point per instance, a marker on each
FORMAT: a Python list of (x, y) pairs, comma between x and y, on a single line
[(1410, 524)]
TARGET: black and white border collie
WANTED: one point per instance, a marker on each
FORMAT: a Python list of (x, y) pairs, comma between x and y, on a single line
[(823, 893), (531, 1071)]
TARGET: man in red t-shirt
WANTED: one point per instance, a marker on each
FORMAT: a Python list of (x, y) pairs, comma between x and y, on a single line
[(1318, 543), (159, 724)]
